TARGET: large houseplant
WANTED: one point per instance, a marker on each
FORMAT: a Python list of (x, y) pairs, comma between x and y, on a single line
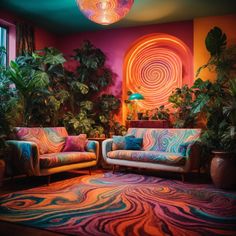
[(50, 95), (36, 77), (92, 112), (216, 100), (9, 104)]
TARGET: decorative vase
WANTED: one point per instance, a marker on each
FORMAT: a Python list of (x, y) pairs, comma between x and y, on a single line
[(223, 170)]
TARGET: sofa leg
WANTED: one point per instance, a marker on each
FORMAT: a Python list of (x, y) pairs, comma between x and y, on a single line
[(49, 180), (89, 170), (199, 171), (113, 169), (183, 177)]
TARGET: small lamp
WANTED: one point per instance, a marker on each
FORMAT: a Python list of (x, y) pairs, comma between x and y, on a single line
[(135, 97)]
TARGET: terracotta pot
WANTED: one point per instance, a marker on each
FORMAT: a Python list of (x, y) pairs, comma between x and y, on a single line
[(223, 170)]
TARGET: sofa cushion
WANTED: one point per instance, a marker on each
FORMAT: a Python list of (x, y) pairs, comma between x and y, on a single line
[(165, 140), (48, 140), (75, 143), (118, 142), (55, 138), (166, 158), (36, 135), (63, 158)]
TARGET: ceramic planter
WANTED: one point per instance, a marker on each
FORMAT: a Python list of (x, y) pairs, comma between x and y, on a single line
[(223, 170)]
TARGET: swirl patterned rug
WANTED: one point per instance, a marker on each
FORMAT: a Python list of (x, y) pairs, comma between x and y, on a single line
[(123, 204)]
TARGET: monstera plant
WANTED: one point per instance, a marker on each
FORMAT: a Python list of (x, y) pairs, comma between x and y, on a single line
[(91, 111), (212, 97), (217, 101), (37, 77)]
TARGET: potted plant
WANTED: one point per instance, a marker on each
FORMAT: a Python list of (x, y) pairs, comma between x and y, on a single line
[(182, 100), (217, 101), (90, 110), (36, 78), (160, 113), (146, 115), (8, 108)]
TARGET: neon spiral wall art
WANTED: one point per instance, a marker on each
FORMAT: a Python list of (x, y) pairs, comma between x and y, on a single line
[(154, 66)]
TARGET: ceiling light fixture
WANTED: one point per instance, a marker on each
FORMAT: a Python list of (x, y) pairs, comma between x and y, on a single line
[(105, 12)]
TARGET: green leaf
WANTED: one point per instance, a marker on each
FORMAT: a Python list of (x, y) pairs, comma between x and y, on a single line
[(200, 103), (87, 105), (39, 79), (51, 56), (82, 88), (215, 41), (93, 86)]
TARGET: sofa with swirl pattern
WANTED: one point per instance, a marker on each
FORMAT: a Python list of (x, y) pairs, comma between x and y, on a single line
[(174, 150), (45, 151)]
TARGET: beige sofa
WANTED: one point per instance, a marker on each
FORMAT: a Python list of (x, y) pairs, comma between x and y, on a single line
[(175, 150)]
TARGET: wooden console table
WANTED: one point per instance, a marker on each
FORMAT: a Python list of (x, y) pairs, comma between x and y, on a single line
[(147, 124)]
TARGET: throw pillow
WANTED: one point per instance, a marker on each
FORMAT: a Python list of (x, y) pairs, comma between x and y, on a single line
[(183, 148), (118, 142), (75, 143), (133, 143)]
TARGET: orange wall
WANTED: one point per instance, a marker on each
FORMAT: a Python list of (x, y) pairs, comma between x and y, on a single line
[(201, 27)]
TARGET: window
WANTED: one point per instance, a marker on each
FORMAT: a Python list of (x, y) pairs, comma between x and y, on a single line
[(3, 44)]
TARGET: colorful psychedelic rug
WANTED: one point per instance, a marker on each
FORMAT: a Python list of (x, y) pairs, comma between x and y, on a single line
[(123, 204)]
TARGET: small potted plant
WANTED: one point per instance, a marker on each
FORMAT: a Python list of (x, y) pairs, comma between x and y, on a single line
[(160, 113), (146, 115)]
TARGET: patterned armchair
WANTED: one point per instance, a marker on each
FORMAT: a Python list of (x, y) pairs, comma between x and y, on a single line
[(175, 150), (39, 151)]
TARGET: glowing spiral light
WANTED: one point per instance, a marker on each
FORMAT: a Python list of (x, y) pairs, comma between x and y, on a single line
[(155, 66), (105, 12)]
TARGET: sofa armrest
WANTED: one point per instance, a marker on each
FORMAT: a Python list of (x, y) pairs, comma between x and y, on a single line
[(24, 156), (193, 155), (106, 147), (93, 146)]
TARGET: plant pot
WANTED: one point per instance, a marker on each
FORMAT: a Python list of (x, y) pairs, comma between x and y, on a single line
[(140, 115), (223, 170)]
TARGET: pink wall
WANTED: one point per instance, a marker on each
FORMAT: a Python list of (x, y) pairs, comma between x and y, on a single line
[(116, 42), (43, 38)]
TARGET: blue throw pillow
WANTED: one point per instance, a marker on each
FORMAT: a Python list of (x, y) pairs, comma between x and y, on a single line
[(118, 142), (133, 143)]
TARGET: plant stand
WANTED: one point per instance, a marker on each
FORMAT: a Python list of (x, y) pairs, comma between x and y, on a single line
[(223, 170)]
